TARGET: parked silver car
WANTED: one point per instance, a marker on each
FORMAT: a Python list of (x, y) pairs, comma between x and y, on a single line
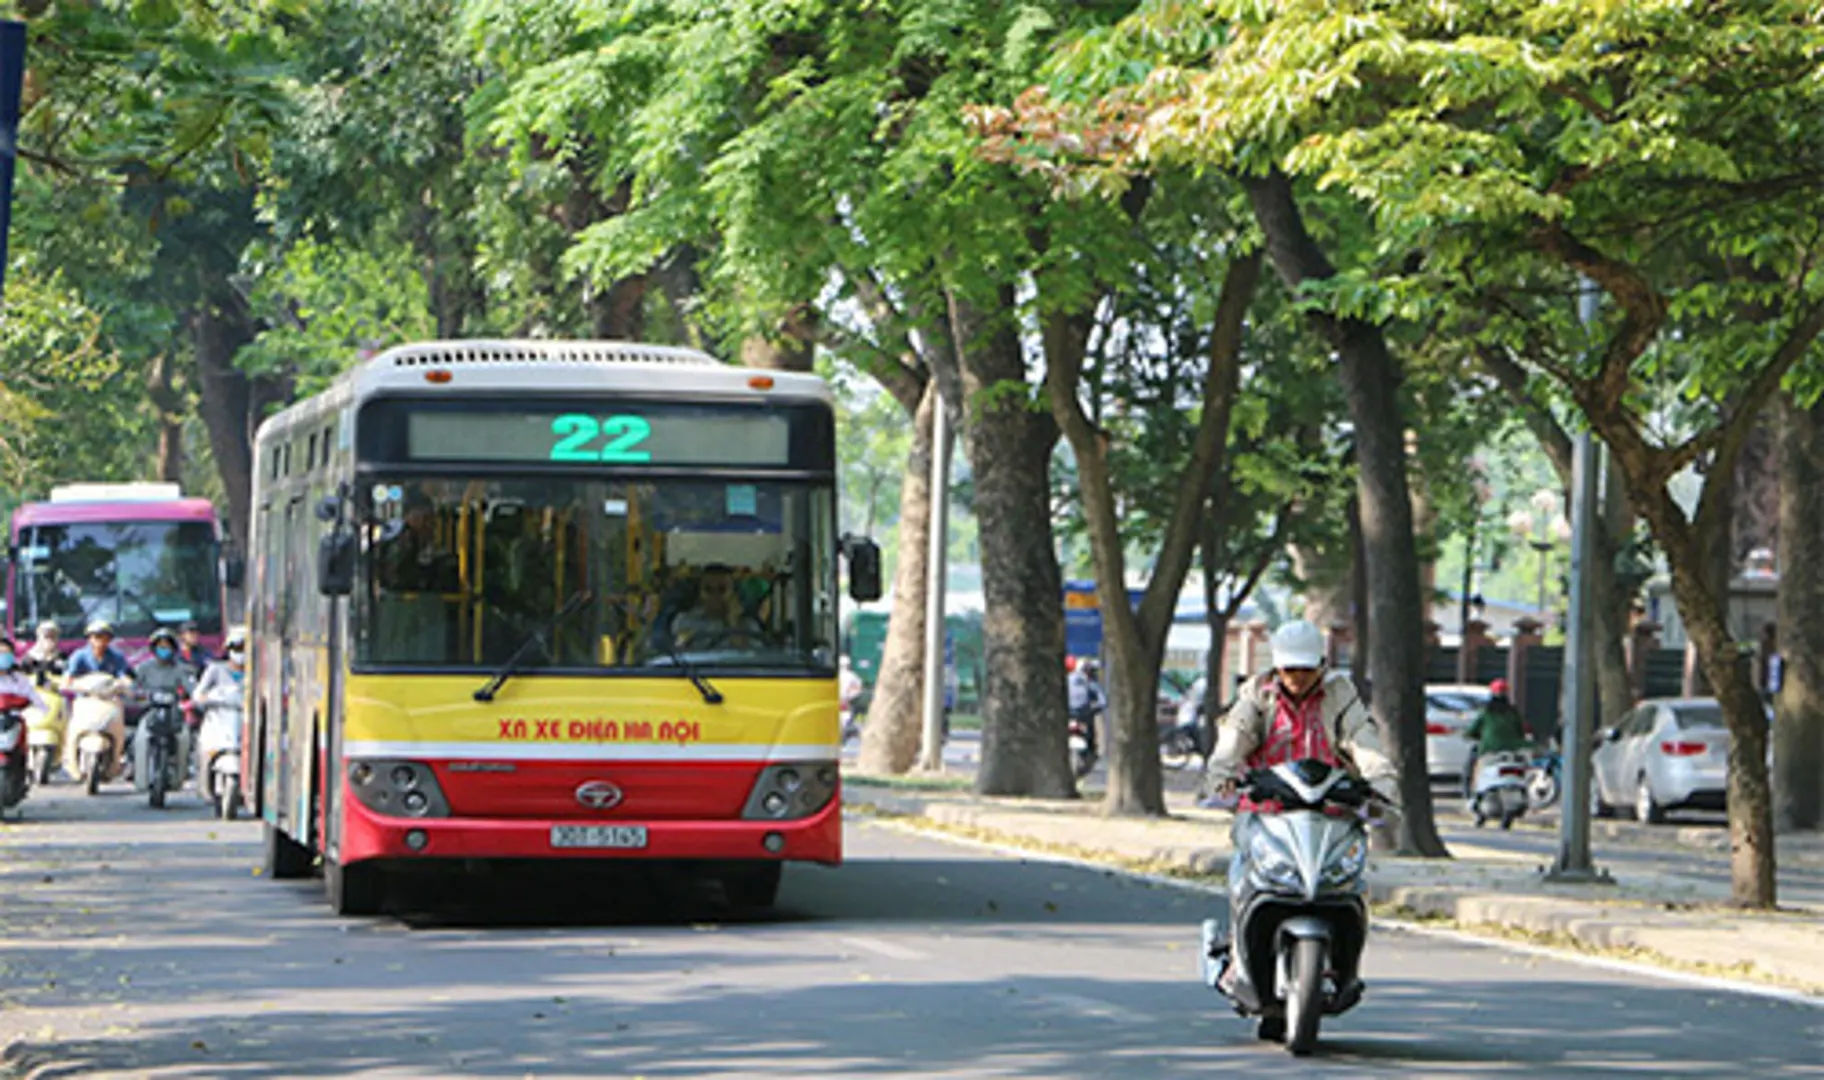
[(1666, 754), (1449, 710)]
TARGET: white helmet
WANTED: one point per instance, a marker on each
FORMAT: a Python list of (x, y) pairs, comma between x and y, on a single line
[(1298, 644)]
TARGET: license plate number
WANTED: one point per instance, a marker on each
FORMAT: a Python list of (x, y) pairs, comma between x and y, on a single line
[(598, 836)]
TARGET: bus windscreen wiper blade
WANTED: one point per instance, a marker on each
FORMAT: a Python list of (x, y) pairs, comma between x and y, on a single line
[(710, 693), (534, 639)]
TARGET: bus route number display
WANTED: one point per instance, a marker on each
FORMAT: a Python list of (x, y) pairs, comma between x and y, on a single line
[(610, 438)]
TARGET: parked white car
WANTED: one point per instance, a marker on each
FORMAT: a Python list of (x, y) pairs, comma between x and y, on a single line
[(1449, 710), (1666, 754)]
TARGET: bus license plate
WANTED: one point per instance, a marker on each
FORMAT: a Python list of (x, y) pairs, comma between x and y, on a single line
[(598, 836)]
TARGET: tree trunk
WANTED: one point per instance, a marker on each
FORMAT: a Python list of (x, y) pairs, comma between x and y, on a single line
[(1134, 640), (220, 327), (890, 740), (618, 313), (1361, 626), (1703, 609), (1328, 581), (1798, 734), (1009, 445), (168, 403), (1611, 603), (1370, 377)]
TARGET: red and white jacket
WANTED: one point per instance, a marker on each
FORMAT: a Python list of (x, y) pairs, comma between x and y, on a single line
[(1266, 727)]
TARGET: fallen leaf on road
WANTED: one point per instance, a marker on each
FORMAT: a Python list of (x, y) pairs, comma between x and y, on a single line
[(257, 871), (197, 1044), (1049, 906)]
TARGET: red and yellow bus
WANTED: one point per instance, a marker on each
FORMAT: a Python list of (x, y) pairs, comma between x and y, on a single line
[(548, 600)]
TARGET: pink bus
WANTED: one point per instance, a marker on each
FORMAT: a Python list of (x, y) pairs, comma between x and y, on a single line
[(138, 555)]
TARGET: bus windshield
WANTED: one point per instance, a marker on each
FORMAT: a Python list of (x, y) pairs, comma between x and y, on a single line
[(647, 576), (138, 575)]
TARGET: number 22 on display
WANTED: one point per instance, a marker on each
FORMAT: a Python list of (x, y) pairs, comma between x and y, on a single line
[(623, 433)]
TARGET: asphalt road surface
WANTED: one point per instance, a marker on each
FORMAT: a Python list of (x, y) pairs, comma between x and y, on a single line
[(141, 943)]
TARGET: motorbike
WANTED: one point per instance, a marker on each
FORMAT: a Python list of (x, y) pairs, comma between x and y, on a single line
[(44, 733), (1082, 757), (218, 752), (97, 727), (1297, 902), (163, 767), (1545, 779), (1501, 789), (15, 778), (1180, 743)]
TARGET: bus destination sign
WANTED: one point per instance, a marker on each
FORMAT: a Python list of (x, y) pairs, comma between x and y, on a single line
[(619, 436)]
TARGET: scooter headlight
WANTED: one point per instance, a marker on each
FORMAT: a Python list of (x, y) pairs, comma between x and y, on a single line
[(1347, 863), (1271, 865)]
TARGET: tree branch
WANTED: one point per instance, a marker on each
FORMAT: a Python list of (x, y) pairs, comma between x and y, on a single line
[(1727, 439), (1507, 372), (1644, 310)]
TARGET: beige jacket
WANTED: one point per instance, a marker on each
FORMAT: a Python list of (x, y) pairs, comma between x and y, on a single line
[(1346, 720)]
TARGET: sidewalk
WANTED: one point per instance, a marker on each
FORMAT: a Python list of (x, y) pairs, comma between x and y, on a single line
[(1674, 922)]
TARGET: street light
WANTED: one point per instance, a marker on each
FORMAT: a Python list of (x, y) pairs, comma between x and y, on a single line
[(1541, 526)]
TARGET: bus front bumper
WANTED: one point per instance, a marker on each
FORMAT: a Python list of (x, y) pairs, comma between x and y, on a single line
[(367, 835)]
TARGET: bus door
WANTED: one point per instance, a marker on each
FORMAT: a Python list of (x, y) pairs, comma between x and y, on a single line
[(293, 739)]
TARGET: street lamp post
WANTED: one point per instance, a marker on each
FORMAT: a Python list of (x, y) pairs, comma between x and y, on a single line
[(1541, 526)]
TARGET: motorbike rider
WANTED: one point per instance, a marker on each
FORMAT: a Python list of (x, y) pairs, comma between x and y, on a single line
[(190, 649), (13, 679), (45, 657), (1296, 711), (1084, 695), (1498, 729), (164, 671), (227, 672), (101, 655)]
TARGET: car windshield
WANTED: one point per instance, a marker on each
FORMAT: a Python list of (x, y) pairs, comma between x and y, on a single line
[(647, 576), (1700, 718), (1455, 701), (138, 575)]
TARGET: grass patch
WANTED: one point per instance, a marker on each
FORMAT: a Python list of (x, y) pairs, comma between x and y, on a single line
[(910, 783), (1156, 867)]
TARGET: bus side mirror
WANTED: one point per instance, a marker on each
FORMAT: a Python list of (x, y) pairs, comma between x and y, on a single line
[(234, 570), (864, 568), (336, 563)]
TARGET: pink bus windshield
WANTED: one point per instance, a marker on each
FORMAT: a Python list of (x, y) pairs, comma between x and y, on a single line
[(138, 575)]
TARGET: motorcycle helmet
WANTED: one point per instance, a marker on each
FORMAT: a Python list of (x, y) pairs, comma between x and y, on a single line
[(1498, 688), (1298, 644), (48, 630), (162, 635), (1070, 665), (99, 628)]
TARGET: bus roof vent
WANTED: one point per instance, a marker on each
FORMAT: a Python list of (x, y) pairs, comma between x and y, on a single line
[(72, 493), (436, 354)]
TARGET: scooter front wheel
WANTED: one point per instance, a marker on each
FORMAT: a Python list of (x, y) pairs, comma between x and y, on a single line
[(91, 774), (1305, 997)]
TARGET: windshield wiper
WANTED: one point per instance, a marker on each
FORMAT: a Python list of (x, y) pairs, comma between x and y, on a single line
[(535, 638), (710, 693)]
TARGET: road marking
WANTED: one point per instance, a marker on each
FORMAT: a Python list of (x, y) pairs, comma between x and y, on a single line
[(1626, 967), (884, 948)]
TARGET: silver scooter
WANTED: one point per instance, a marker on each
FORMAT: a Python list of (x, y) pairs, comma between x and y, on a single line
[(218, 751), (1298, 901)]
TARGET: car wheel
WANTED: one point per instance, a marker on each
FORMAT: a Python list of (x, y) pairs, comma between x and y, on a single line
[(1646, 809)]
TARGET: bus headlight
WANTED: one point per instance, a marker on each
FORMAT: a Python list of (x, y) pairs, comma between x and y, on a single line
[(398, 788), (798, 790)]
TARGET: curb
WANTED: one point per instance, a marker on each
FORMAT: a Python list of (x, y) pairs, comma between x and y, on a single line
[(1564, 924)]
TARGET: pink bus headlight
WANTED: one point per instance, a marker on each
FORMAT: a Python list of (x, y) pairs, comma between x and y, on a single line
[(794, 790), (397, 788)]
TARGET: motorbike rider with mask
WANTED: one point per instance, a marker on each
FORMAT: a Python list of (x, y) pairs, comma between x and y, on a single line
[(227, 672), (164, 671), (1296, 711)]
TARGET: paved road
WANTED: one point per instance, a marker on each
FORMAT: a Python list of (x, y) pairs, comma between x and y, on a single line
[(136, 943)]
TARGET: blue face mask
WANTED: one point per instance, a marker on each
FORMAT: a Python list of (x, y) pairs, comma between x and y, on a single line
[(236, 674), (7, 660), (163, 652)]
